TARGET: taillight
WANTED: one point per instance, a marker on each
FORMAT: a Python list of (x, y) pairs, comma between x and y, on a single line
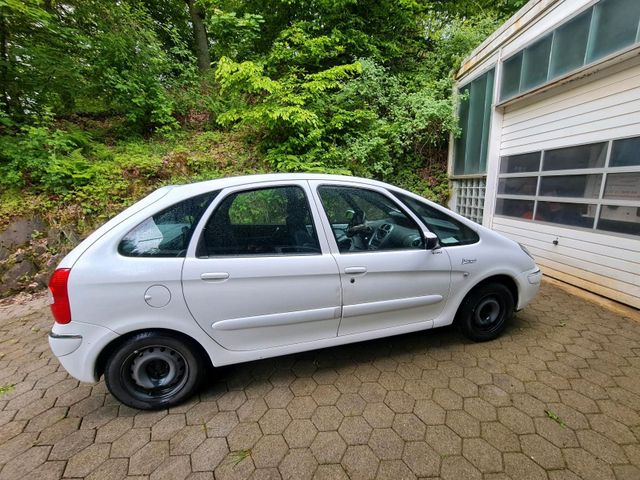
[(60, 305)]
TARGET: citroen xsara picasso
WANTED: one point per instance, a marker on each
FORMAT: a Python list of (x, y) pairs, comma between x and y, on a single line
[(238, 269)]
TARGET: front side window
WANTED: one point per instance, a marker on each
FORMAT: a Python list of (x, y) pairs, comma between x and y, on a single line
[(167, 233), (364, 220), (450, 232), (267, 221)]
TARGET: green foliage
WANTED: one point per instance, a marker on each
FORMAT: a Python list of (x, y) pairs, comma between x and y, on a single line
[(128, 64), (100, 102), (357, 118), (239, 31), (42, 157), (84, 56), (7, 388)]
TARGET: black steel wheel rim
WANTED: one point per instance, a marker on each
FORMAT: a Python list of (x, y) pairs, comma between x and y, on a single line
[(488, 313), (154, 372)]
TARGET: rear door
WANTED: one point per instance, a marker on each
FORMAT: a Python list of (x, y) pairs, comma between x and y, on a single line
[(257, 274)]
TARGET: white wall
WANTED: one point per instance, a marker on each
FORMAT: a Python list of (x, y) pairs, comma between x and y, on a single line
[(598, 110), (604, 107)]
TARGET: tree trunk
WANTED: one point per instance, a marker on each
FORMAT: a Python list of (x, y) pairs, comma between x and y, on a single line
[(4, 62), (199, 36)]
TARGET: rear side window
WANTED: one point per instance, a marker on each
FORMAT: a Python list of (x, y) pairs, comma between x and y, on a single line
[(266, 221), (167, 233), (450, 232)]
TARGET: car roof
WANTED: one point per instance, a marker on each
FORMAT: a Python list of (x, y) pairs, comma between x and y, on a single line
[(272, 177), (226, 182)]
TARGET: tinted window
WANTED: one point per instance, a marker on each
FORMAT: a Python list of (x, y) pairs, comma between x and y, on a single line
[(449, 231), (581, 156), (573, 214), (579, 186), (518, 186), (607, 27), (515, 208), (625, 153), (620, 219), (167, 233), (364, 220), (268, 221), (527, 162), (623, 186)]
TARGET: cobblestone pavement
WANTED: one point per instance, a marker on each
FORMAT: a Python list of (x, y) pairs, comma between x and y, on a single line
[(558, 397)]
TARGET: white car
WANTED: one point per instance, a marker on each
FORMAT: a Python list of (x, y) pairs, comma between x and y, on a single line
[(244, 268)]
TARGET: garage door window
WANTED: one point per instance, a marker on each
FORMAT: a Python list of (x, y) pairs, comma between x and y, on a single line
[(594, 186), (626, 153)]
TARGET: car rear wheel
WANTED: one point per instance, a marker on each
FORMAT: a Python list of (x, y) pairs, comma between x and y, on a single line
[(153, 370), (485, 312)]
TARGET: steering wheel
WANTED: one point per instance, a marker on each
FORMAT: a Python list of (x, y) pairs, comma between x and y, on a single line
[(357, 225), (380, 236)]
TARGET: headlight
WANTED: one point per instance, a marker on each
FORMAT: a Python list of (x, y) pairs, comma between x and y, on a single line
[(524, 249)]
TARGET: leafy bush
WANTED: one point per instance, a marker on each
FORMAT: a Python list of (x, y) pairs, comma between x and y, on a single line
[(358, 118)]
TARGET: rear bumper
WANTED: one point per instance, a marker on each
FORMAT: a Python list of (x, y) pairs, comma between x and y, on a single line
[(77, 347), (528, 286)]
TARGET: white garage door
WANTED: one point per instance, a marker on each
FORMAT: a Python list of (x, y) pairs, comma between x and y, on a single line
[(569, 183)]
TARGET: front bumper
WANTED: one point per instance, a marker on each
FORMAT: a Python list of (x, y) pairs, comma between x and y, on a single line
[(528, 286), (77, 346)]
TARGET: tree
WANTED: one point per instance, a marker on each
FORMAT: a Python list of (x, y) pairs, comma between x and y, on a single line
[(200, 39)]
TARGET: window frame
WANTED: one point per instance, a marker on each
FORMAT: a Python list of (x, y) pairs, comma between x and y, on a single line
[(599, 201), (214, 194), (198, 235), (400, 195), (329, 233)]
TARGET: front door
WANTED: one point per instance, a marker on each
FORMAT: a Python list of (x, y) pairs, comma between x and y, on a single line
[(388, 278), (260, 276)]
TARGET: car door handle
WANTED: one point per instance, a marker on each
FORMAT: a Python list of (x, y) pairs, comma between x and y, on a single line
[(213, 276), (355, 270)]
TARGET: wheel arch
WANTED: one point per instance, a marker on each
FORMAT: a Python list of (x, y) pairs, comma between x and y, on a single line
[(502, 279), (112, 346)]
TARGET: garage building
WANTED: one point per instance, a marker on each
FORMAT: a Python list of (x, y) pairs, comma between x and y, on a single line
[(549, 151)]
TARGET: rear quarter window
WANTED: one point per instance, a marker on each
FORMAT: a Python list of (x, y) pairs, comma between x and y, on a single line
[(168, 232)]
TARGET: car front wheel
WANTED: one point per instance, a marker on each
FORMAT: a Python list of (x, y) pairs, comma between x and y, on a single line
[(153, 370), (485, 312)]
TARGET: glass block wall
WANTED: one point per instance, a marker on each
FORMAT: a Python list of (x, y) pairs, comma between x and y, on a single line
[(469, 197), (606, 27)]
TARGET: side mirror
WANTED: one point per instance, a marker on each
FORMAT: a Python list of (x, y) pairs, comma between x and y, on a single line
[(430, 241)]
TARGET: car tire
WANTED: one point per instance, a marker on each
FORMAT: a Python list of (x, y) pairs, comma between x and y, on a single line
[(154, 370), (485, 311)]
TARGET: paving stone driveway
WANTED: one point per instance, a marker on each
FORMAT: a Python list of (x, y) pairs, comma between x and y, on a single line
[(558, 397)]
